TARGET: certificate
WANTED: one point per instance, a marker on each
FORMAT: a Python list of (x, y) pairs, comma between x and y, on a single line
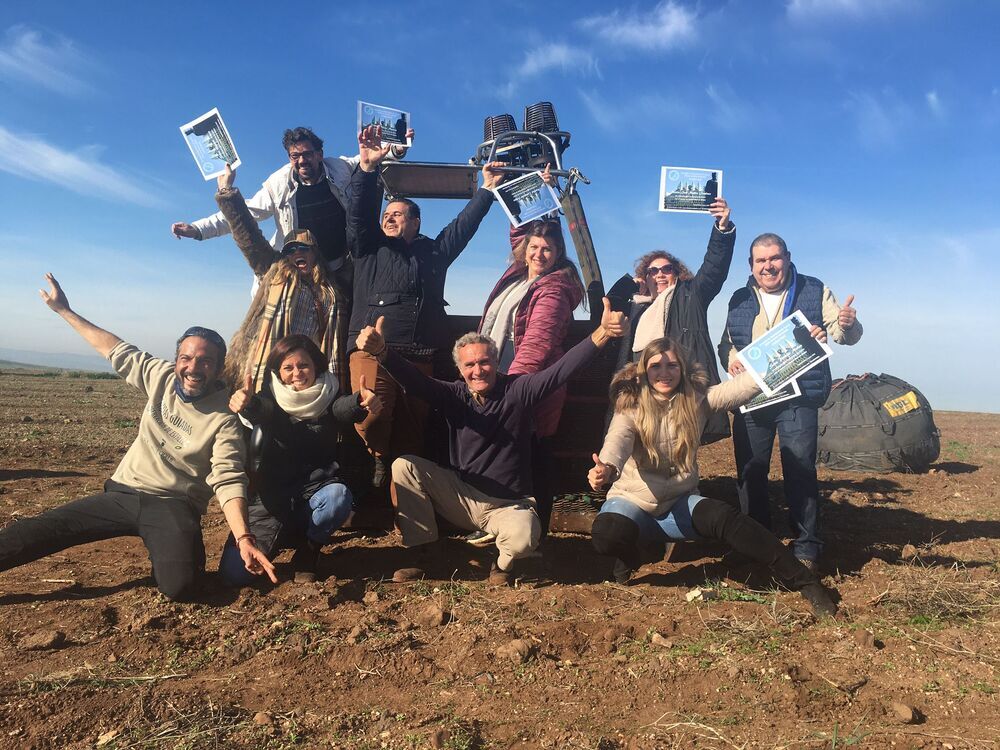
[(689, 190), (783, 353), (210, 144)]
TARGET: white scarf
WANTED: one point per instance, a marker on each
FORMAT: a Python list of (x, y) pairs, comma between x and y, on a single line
[(308, 403), (652, 323)]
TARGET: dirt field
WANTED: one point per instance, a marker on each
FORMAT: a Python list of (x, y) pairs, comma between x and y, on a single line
[(93, 656)]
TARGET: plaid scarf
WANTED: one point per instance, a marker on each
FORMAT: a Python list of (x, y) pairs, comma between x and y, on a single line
[(277, 321)]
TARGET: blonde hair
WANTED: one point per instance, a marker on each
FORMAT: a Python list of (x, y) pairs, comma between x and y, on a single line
[(631, 392)]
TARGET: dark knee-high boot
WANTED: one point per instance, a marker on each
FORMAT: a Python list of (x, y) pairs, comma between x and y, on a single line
[(617, 536), (715, 519)]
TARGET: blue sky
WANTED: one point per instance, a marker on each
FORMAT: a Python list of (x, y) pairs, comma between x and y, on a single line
[(863, 132)]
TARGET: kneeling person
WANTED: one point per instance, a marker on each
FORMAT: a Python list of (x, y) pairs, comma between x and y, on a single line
[(489, 416), (189, 447)]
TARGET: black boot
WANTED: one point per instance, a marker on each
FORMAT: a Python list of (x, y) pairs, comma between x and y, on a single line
[(617, 536), (715, 519), (305, 562)]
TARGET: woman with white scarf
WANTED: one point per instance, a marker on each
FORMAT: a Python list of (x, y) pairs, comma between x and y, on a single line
[(297, 495)]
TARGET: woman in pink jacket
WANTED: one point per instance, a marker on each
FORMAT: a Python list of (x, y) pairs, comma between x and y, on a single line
[(528, 315)]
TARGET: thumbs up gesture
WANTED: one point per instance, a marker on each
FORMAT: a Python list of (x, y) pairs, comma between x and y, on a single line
[(239, 400), (848, 315), (370, 339), (367, 398), (601, 475), (615, 324)]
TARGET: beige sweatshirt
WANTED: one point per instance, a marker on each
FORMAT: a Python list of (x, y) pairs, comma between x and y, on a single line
[(655, 489), (183, 450)]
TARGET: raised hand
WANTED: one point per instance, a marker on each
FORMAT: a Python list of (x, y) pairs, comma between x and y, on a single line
[(367, 398), (55, 298), (182, 229), (848, 315), (370, 339), (226, 179), (601, 475), (615, 324), (492, 176), (370, 147), (720, 210), (547, 177), (239, 400)]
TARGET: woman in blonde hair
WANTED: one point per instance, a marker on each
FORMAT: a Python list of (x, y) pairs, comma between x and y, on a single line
[(650, 461)]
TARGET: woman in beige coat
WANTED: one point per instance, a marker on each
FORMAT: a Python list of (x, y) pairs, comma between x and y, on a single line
[(650, 461)]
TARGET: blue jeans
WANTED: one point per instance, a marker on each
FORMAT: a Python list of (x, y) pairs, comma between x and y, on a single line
[(326, 511), (753, 440), (673, 526)]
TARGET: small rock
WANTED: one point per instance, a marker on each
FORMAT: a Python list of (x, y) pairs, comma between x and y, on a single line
[(439, 738), (356, 634), (700, 595), (262, 718), (659, 640), (864, 638), (517, 651), (42, 640), (431, 616), (105, 738), (904, 713), (26, 418), (485, 679), (88, 389), (609, 634), (370, 598), (112, 658), (909, 552), (933, 471)]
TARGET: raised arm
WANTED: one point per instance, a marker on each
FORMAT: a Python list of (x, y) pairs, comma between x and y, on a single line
[(363, 206), (454, 237), (719, 255), (246, 232), (103, 341), (260, 206)]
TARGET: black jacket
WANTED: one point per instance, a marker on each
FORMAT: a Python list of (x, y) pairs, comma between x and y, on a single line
[(297, 457), (404, 283), (687, 316)]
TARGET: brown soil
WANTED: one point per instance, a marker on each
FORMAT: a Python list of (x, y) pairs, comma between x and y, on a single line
[(92, 655)]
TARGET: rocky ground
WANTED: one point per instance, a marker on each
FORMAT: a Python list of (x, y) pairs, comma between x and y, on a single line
[(93, 656)]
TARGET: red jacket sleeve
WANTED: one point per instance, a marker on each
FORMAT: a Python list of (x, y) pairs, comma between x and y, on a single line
[(548, 322)]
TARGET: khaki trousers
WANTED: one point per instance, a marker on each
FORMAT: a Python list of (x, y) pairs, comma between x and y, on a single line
[(423, 487)]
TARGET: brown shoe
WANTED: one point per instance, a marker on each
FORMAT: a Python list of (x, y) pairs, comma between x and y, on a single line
[(499, 576), (408, 575)]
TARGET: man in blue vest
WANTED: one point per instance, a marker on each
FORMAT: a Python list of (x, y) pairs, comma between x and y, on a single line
[(774, 291)]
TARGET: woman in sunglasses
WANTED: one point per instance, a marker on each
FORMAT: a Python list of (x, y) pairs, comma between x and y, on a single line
[(666, 299)]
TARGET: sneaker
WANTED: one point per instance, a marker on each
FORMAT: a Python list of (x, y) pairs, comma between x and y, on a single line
[(479, 538), (499, 576), (305, 562)]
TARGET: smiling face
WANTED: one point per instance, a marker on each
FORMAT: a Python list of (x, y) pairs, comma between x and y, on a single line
[(197, 367), (397, 222), (477, 367), (769, 266), (663, 373), (539, 256), (303, 258), (661, 274), (297, 370), (307, 162)]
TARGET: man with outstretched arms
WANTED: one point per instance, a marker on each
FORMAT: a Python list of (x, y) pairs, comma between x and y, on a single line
[(774, 291), (189, 448), (487, 486)]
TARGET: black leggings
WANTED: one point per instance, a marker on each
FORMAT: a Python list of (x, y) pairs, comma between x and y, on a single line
[(618, 536), (169, 527)]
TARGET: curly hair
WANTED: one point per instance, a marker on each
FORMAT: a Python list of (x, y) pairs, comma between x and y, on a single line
[(642, 265), (631, 392), (301, 135)]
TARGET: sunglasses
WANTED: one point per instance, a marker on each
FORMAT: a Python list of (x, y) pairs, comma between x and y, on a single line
[(668, 268)]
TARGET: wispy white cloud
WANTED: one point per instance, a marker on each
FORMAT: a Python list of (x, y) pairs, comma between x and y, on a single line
[(52, 62), (879, 119), (555, 56), (935, 105), (815, 10), (729, 112), (667, 26), (650, 108), (32, 158)]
